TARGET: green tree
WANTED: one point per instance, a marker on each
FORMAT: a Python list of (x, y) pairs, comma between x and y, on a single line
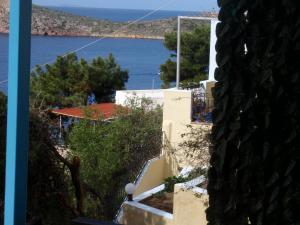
[(112, 154), (194, 56), (70, 80)]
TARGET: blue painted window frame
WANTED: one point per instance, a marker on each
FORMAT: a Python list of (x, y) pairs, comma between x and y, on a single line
[(18, 113)]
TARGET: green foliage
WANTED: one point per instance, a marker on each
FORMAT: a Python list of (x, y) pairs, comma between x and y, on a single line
[(194, 56), (70, 80), (48, 196), (195, 144), (254, 174), (113, 153), (101, 162), (171, 181)]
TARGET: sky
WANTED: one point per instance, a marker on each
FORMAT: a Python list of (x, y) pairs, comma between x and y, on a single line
[(181, 5)]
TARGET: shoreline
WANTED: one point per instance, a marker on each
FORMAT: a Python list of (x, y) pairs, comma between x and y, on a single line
[(117, 36), (55, 23)]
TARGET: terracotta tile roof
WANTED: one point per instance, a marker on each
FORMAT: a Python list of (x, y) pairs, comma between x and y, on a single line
[(105, 110)]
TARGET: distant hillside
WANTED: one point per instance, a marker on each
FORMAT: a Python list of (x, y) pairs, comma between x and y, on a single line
[(50, 22)]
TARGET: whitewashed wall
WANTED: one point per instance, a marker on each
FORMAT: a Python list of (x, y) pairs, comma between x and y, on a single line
[(157, 96), (213, 53)]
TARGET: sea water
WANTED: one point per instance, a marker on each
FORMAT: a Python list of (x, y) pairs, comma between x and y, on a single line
[(141, 57)]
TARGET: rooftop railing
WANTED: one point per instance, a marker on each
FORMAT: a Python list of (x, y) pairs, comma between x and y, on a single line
[(202, 106)]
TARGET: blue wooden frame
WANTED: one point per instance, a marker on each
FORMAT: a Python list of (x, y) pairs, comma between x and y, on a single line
[(18, 113)]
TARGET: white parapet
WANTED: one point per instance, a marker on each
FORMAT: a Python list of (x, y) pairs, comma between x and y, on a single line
[(156, 96), (189, 206)]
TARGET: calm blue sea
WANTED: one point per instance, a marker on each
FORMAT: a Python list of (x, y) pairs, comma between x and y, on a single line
[(122, 15), (142, 58)]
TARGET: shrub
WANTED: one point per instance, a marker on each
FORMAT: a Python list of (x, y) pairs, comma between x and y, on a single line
[(171, 181)]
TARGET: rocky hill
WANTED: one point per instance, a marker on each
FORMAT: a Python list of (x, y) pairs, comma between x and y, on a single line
[(57, 23)]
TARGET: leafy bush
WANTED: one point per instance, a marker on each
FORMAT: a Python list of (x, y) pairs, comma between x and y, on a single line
[(113, 153), (171, 181), (195, 144)]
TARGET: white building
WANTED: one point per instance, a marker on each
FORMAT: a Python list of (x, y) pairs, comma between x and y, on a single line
[(155, 95)]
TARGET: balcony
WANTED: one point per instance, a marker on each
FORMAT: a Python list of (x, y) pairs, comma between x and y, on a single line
[(189, 204), (189, 200)]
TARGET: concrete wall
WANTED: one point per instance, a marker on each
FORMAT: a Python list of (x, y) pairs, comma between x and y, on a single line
[(177, 113), (189, 206), (153, 176), (189, 203), (139, 214)]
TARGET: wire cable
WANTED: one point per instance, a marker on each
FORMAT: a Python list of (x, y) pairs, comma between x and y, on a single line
[(120, 29), (102, 38)]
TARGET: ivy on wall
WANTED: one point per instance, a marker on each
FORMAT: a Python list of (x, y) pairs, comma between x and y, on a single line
[(256, 133)]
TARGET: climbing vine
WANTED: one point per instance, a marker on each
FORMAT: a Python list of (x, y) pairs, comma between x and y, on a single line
[(256, 132)]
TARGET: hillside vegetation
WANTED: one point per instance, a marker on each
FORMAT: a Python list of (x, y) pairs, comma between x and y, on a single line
[(57, 23)]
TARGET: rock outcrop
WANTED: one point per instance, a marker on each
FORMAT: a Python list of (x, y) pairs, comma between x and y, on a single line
[(4, 11), (57, 23), (4, 4)]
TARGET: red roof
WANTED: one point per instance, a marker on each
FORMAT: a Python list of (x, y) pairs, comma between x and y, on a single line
[(104, 110)]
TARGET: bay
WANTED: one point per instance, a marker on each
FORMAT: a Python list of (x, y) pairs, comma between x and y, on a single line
[(141, 57), (123, 15)]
